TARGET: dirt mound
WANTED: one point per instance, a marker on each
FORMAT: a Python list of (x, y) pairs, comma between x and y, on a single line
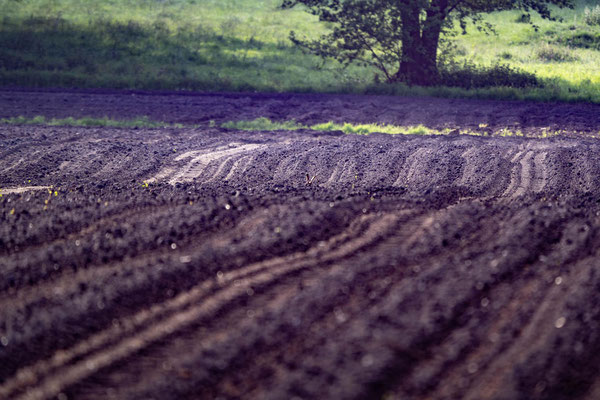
[(203, 263)]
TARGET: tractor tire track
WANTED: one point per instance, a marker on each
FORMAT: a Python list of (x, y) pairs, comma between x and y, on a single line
[(274, 268)]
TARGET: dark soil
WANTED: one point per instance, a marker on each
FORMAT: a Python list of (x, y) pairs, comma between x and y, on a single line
[(194, 108), (204, 263)]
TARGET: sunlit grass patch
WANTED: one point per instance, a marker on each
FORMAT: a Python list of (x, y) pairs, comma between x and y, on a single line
[(265, 124), (508, 133), (140, 122), (365, 129)]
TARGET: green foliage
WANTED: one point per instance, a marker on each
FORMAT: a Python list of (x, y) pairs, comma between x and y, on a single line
[(591, 16), (233, 45), (523, 19), (140, 122), (469, 76), (401, 38), (366, 129), (549, 53), (160, 45), (582, 40), (265, 124)]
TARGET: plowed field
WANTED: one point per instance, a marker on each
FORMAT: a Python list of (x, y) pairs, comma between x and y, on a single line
[(201, 263)]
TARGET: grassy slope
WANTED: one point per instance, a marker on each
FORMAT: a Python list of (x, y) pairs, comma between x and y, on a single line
[(203, 45), (243, 45), (569, 71)]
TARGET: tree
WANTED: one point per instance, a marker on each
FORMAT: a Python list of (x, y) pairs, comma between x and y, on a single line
[(401, 38)]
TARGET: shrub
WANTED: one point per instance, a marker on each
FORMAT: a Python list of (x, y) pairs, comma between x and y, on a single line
[(583, 40), (471, 76), (549, 53), (591, 16), (523, 19)]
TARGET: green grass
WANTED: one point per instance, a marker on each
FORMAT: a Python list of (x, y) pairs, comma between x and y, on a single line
[(140, 122), (221, 45), (365, 129), (265, 124), (258, 124), (233, 45), (570, 71)]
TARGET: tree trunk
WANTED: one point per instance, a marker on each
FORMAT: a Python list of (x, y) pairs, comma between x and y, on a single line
[(418, 65)]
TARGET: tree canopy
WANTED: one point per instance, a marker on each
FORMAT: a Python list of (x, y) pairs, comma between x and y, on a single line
[(401, 37)]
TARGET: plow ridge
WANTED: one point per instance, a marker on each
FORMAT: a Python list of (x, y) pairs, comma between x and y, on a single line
[(202, 263), (248, 276)]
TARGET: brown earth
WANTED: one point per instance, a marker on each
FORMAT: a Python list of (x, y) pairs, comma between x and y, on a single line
[(200, 108), (201, 263)]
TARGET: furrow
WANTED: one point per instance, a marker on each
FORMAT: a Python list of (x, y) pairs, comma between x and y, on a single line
[(363, 293), (463, 362), (22, 189), (263, 274), (13, 166), (225, 162), (232, 345), (525, 175), (195, 167), (120, 220), (515, 174), (540, 172), (414, 166), (240, 164)]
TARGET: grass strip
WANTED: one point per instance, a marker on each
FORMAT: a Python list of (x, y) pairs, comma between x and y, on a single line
[(140, 122), (265, 124)]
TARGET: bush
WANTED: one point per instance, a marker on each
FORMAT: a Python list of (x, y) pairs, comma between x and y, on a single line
[(583, 40), (470, 76), (591, 16), (549, 53)]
